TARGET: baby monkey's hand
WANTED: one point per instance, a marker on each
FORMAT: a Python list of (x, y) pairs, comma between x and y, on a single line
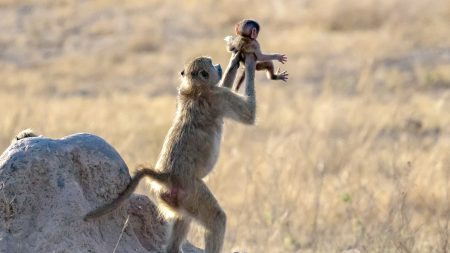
[(281, 58)]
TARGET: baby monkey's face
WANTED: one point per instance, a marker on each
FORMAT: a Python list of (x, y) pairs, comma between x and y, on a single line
[(254, 33), (251, 32)]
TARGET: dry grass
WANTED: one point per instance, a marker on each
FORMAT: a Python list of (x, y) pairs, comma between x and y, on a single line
[(352, 154)]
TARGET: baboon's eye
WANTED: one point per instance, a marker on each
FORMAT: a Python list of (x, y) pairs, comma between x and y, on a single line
[(182, 73), (204, 74)]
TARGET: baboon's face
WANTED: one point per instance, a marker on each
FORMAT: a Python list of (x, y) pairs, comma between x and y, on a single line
[(202, 71)]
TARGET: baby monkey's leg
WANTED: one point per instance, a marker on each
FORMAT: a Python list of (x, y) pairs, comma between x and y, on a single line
[(270, 71), (240, 79), (242, 75)]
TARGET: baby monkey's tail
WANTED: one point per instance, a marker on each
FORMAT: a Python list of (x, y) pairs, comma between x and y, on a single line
[(160, 177)]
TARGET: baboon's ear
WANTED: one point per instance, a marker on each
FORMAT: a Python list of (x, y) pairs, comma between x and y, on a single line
[(182, 72)]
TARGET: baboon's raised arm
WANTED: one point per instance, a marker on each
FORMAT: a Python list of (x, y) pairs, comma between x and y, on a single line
[(230, 72), (238, 107)]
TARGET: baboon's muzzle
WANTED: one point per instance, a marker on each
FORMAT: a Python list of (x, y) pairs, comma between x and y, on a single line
[(219, 70)]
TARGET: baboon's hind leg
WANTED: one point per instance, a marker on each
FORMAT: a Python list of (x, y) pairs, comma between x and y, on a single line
[(203, 207), (178, 235)]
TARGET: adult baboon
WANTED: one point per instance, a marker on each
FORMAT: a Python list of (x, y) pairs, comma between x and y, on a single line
[(191, 149)]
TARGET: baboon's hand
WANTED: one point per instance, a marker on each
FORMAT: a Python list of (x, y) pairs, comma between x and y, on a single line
[(282, 58), (281, 75)]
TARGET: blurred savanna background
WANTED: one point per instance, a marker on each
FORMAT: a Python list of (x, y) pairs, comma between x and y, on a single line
[(351, 155)]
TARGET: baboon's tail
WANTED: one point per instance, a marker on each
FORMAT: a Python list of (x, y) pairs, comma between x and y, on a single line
[(160, 177)]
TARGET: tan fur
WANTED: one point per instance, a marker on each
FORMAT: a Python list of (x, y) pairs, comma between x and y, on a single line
[(243, 44), (191, 149)]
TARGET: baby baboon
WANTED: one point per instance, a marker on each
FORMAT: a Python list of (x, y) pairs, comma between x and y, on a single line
[(245, 42), (191, 149)]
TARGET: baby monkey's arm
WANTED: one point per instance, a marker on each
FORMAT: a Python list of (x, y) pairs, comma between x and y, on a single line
[(260, 56), (270, 57)]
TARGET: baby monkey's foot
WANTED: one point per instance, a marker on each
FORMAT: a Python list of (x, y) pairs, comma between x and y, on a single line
[(281, 75)]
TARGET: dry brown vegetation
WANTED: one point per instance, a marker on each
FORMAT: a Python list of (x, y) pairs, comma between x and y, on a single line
[(352, 155)]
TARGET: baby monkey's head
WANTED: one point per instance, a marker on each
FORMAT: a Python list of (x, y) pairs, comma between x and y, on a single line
[(247, 28)]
